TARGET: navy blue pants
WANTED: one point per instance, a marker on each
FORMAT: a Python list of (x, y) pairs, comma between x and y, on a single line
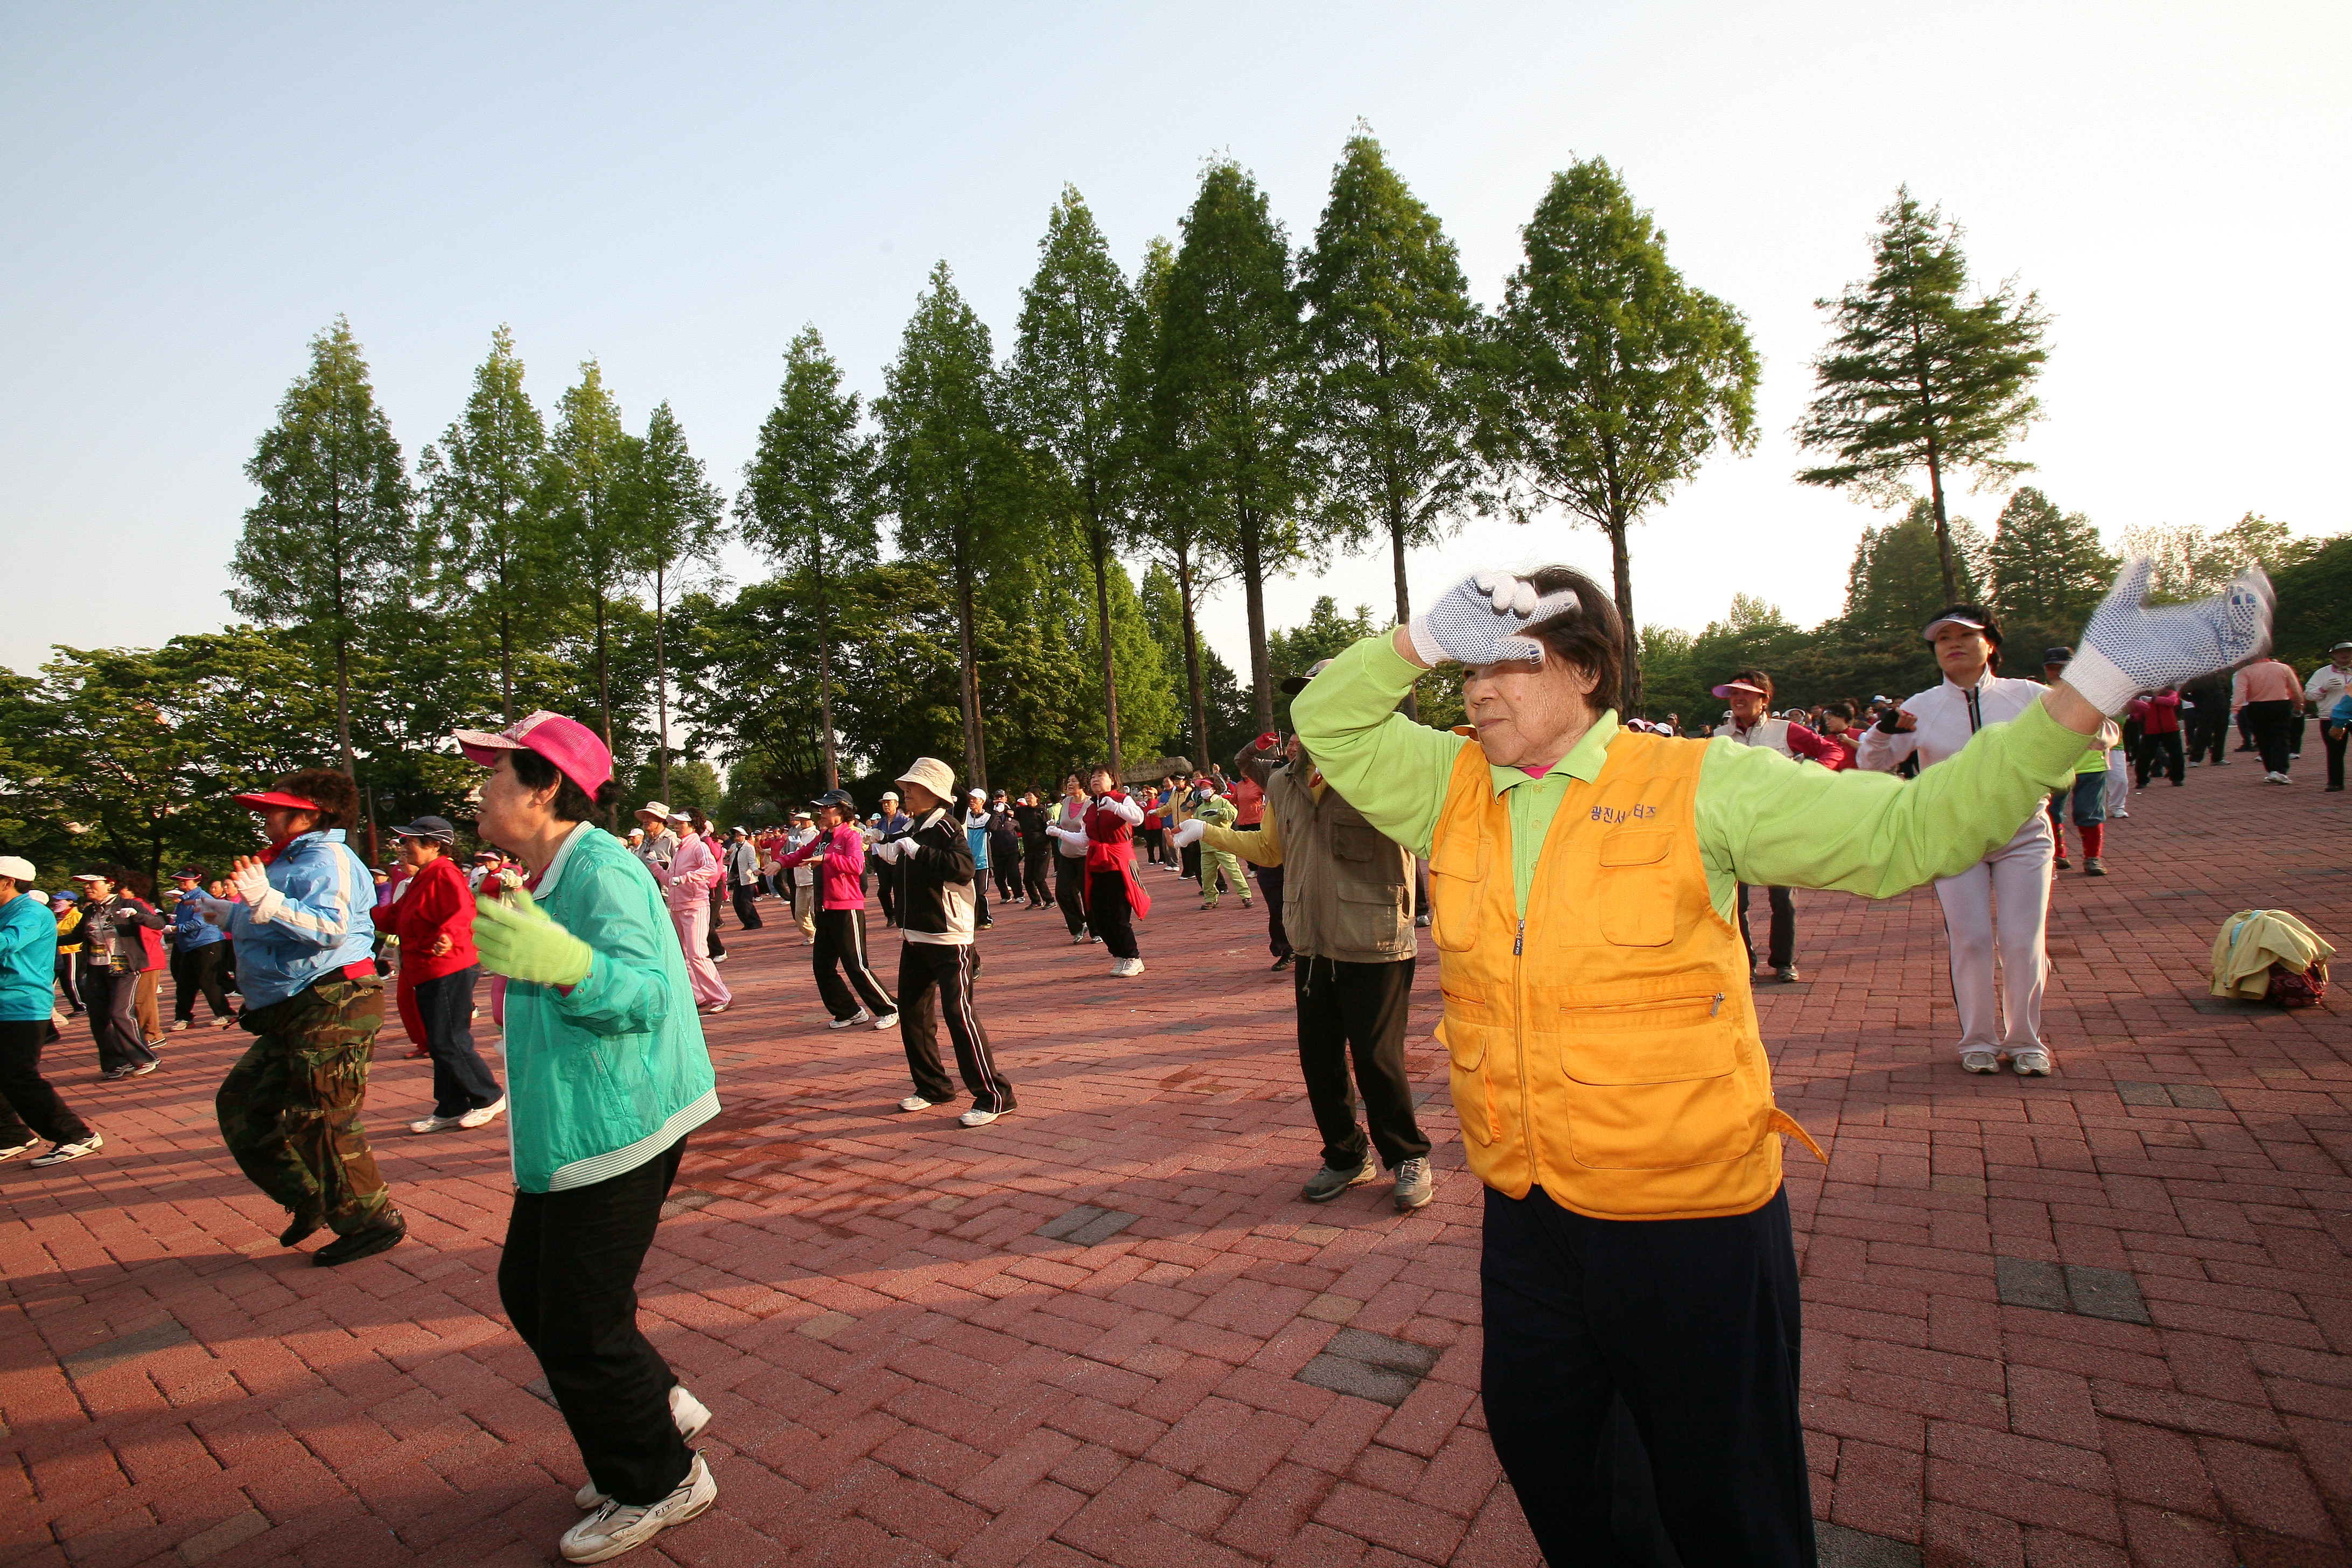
[(1687, 1326)]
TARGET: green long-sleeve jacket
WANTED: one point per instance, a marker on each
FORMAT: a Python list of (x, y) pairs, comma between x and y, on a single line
[(1762, 818)]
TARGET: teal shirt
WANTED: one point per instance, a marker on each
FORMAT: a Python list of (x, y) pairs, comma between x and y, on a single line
[(604, 1075), (1763, 818)]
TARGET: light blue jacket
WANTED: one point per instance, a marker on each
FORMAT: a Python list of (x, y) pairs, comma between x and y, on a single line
[(978, 838), (603, 1077), (317, 917), (29, 959)]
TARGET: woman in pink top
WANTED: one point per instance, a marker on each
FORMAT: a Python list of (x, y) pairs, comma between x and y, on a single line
[(839, 851), (693, 871)]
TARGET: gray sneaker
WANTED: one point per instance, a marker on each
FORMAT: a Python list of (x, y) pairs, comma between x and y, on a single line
[(1414, 1185), (1327, 1183)]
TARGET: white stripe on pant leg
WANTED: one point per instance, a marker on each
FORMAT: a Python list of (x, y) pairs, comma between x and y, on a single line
[(975, 1038), (873, 986)]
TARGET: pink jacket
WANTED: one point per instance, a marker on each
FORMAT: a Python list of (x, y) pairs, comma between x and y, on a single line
[(840, 866), (694, 870)]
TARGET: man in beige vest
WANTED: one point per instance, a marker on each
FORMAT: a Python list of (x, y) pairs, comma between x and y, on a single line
[(1348, 910)]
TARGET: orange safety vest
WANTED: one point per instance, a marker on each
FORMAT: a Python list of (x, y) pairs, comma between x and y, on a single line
[(1605, 1048)]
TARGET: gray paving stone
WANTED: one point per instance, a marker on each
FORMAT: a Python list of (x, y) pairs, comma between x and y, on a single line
[(2106, 1293), (2026, 1282), (1341, 1375), (1838, 1547)]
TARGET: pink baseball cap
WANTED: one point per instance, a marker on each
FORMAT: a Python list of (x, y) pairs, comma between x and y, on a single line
[(574, 749)]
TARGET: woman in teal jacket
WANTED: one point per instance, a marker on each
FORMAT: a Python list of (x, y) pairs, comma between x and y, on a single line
[(607, 1074)]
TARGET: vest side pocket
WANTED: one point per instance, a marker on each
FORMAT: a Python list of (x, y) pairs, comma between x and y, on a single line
[(1653, 1073), (1635, 895), (1465, 1054), (1458, 877)]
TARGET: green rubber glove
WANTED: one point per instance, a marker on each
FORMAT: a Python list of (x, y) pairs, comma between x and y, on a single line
[(522, 943)]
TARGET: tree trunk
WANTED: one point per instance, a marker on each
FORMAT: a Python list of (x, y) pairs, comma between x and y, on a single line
[(1621, 562), (344, 698), (506, 651), (661, 679), (975, 757), (1253, 595), (1192, 660), (825, 669), (1404, 596), (1943, 527), (1102, 624), (603, 687)]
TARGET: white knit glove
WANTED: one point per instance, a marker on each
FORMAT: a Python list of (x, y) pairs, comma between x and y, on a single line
[(890, 849), (212, 910), (2128, 648), (1189, 833), (1479, 619), (250, 881)]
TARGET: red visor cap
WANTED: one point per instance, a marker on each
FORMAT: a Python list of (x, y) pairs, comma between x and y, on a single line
[(272, 799)]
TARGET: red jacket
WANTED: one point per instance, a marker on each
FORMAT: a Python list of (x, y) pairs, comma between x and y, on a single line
[(438, 903), (2158, 714)]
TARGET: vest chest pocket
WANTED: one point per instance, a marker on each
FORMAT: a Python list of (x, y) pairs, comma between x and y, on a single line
[(1636, 888), (1457, 877)]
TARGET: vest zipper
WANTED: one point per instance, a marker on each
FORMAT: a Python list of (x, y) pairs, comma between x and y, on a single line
[(1716, 1006), (1518, 942)]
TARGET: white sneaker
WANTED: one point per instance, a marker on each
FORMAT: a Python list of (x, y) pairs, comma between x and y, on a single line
[(12, 1150), (1126, 968), (482, 1116), (978, 1118), (691, 1416), (227, 1022), (886, 1021), (436, 1124), (2033, 1063), (617, 1527), (915, 1102), (863, 1016), (1080, 940), (178, 1025), (1981, 1061), (64, 1152), (709, 1009)]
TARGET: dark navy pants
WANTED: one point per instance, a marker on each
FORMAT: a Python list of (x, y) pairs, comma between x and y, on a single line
[(1689, 1328)]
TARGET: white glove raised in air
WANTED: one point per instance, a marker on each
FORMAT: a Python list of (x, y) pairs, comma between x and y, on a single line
[(1188, 833), (891, 848), (250, 879), (2130, 648), (1479, 621)]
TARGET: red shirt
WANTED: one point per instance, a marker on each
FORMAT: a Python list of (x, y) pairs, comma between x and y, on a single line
[(1249, 800), (438, 903)]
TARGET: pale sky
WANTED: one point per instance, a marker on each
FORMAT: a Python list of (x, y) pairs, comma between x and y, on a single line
[(187, 193)]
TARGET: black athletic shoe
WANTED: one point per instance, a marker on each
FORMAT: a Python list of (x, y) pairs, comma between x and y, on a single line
[(361, 1244), (300, 1229), (1282, 962)]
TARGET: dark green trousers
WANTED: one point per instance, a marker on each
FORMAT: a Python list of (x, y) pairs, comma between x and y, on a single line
[(290, 1109)]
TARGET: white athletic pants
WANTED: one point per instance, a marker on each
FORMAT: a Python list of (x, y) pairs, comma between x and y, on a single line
[(2118, 803), (2018, 875)]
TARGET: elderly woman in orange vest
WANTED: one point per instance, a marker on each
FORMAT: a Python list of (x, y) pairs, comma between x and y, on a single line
[(1607, 1070)]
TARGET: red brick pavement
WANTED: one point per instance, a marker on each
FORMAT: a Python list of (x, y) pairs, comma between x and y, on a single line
[(902, 1371)]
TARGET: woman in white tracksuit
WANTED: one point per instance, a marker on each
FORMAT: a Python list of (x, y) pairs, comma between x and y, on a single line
[(1935, 724)]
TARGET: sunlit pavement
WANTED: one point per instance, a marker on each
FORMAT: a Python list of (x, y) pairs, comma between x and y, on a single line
[(2101, 1318)]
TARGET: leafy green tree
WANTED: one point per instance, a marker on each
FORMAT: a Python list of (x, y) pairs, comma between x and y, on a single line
[(1176, 525), (2314, 585), (477, 488), (681, 519), (2047, 566), (333, 526), (2191, 563), (1393, 334), (811, 501), (1896, 584), (1326, 634), (1064, 390), (1616, 377), (954, 478), (1234, 366), (1920, 377), (584, 488)]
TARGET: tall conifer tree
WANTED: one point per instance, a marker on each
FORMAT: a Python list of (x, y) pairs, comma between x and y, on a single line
[(810, 498), (334, 525), (1920, 377), (1393, 335), (584, 489), (1618, 377), (1064, 389), (680, 516), (2047, 565), (1234, 362), (478, 486), (949, 468)]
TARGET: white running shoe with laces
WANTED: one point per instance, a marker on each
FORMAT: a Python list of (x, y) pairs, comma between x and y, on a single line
[(618, 1527), (436, 1123), (886, 1021), (860, 1016), (915, 1102), (976, 1117), (483, 1115), (64, 1152), (1981, 1061), (2033, 1063)]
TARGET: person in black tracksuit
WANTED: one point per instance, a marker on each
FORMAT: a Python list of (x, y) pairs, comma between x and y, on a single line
[(1036, 850), (937, 963)]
